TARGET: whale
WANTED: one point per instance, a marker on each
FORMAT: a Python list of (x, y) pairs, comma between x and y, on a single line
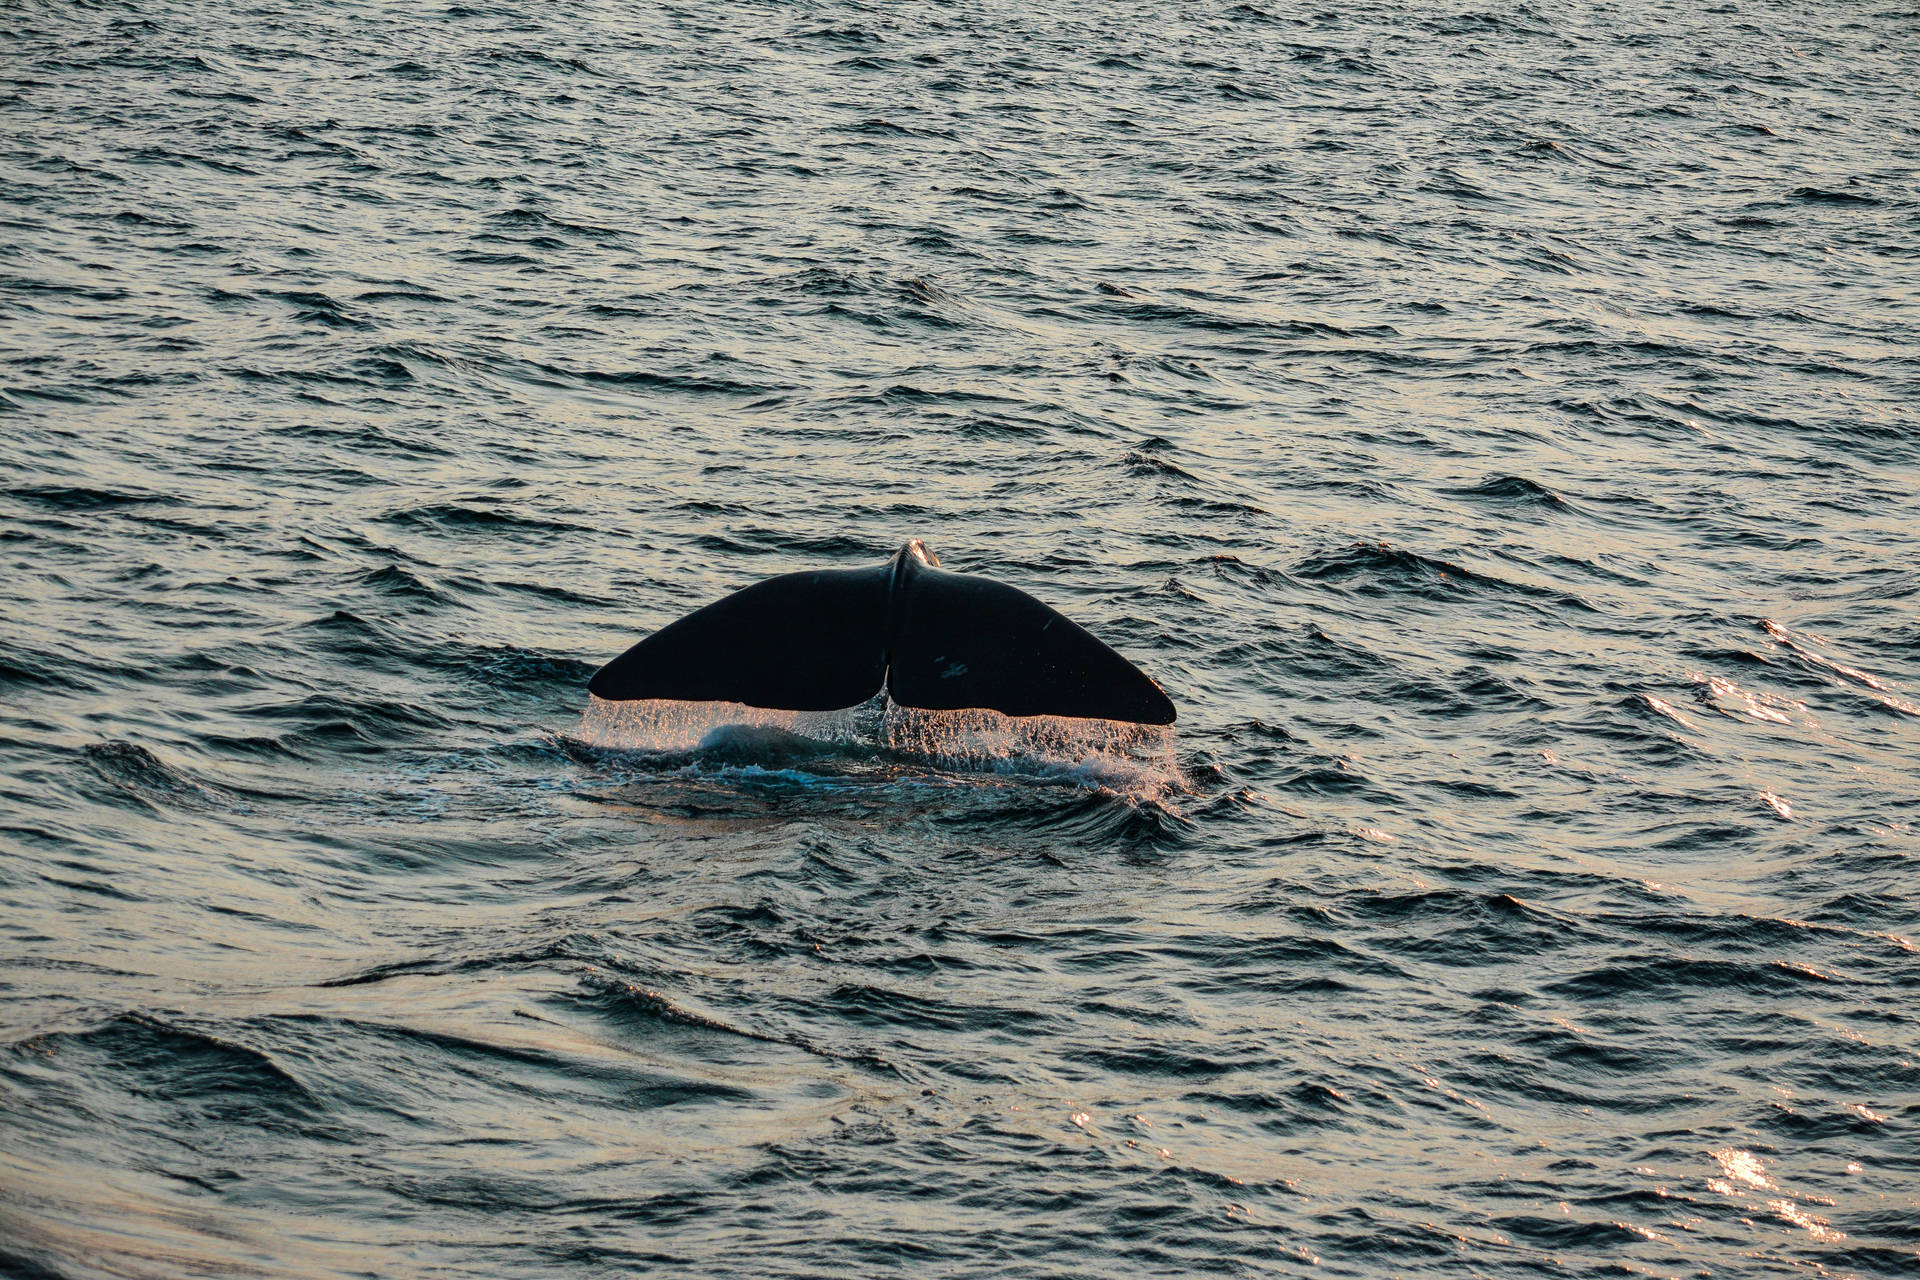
[(929, 638)]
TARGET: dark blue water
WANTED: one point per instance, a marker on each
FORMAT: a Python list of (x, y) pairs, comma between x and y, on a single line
[(1495, 427)]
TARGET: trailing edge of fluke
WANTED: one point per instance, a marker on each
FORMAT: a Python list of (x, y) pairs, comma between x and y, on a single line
[(826, 639)]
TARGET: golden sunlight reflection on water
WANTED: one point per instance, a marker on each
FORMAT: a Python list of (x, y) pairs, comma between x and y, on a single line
[(1743, 1171)]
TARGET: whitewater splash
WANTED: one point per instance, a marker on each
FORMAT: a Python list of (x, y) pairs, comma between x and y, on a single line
[(661, 726), (1135, 761)]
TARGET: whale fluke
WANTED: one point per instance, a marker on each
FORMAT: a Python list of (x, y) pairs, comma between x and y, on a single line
[(826, 639)]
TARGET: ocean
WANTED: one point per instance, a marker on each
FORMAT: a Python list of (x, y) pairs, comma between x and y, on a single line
[(1495, 427)]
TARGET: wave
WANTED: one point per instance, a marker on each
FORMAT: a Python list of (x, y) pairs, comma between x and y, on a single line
[(1380, 569)]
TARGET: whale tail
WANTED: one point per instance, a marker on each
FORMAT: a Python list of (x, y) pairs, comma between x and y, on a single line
[(826, 639)]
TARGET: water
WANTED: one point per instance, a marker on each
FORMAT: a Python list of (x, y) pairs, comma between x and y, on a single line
[(1495, 427)]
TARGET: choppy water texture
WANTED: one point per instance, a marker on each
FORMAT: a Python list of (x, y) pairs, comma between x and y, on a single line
[(1496, 427)]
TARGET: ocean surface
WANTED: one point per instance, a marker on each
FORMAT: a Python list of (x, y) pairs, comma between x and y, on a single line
[(1497, 426)]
